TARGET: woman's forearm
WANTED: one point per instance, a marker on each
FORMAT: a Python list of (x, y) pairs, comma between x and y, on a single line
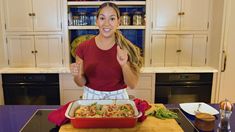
[(80, 80), (130, 78)]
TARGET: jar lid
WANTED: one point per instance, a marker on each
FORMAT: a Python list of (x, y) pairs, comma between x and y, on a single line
[(125, 13), (138, 13), (82, 13), (94, 13)]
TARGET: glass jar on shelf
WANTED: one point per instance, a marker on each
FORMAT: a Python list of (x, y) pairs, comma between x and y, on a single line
[(137, 18), (125, 19), (93, 18), (83, 19), (75, 19)]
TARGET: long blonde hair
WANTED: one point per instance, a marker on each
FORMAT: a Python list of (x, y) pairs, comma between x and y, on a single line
[(134, 56)]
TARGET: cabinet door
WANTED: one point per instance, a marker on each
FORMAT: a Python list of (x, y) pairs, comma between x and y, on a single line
[(199, 50), (47, 15), (2, 49), (171, 54), (227, 83), (20, 51), (185, 47), (165, 14), (17, 15), (49, 51), (196, 14), (158, 50)]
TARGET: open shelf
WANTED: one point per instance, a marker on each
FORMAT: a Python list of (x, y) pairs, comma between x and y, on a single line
[(95, 3), (95, 27)]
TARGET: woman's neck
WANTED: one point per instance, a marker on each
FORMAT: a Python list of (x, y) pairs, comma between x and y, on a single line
[(104, 43)]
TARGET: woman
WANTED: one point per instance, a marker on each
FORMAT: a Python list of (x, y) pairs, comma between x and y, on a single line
[(108, 63)]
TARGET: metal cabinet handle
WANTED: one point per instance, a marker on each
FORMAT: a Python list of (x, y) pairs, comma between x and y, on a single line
[(30, 14), (33, 14), (178, 51), (34, 52), (181, 13), (225, 61)]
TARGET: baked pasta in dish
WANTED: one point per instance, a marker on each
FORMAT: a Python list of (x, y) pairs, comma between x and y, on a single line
[(109, 110)]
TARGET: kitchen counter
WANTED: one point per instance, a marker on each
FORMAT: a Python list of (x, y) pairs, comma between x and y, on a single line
[(143, 70), (13, 117)]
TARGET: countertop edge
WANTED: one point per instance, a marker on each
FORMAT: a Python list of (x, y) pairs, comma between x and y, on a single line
[(143, 70)]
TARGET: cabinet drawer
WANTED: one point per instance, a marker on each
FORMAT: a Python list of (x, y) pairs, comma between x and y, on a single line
[(142, 94), (70, 95)]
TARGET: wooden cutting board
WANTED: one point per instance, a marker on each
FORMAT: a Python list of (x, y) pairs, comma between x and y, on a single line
[(151, 124)]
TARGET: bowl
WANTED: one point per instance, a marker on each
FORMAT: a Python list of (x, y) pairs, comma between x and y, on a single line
[(204, 121)]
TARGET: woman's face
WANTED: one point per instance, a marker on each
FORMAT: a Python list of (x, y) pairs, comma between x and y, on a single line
[(107, 22)]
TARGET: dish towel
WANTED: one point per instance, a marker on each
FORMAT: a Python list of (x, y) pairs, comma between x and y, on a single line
[(58, 116), (142, 106)]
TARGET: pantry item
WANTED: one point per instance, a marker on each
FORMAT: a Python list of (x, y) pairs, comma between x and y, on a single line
[(137, 18), (93, 18), (125, 19), (83, 19)]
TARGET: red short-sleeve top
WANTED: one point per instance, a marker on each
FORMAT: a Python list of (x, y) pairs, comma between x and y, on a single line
[(101, 68)]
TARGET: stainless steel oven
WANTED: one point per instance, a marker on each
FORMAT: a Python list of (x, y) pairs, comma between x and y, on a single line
[(183, 87), (31, 89)]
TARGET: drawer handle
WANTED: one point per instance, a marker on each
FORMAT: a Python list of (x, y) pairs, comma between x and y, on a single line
[(178, 51), (181, 13), (225, 61)]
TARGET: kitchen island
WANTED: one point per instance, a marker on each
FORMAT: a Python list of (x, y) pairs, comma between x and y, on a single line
[(14, 117)]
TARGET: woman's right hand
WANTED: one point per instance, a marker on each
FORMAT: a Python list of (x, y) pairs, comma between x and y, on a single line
[(76, 68)]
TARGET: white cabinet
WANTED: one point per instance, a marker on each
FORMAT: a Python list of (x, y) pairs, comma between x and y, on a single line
[(178, 50), (20, 51), (180, 14), (227, 83), (33, 15), (49, 51), (144, 90), (199, 55), (158, 46), (31, 51), (1, 43)]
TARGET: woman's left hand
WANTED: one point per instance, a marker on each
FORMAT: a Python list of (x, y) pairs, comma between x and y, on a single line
[(122, 56)]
